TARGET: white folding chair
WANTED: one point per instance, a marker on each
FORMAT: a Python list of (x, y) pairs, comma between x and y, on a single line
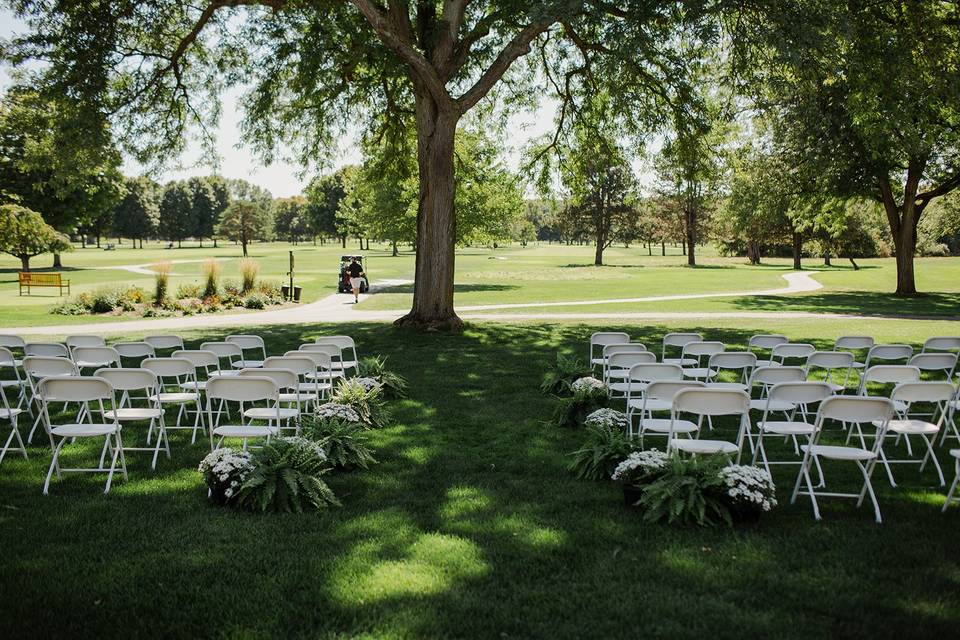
[(304, 367), (765, 378), (658, 397), (243, 390), (876, 379), (13, 342), (172, 373), (133, 407), (781, 354), (946, 363), (288, 386), (846, 409), (618, 367), (17, 382), (674, 340), (951, 495), (640, 375), (831, 362), (75, 341), (612, 349), (135, 351), (937, 393), (334, 352), (164, 342), (798, 395), (320, 380), (709, 403), (697, 351), (855, 345), (602, 339), (950, 423), (95, 357), (764, 342), (47, 349), (348, 351), (941, 343), (36, 369), (83, 391), (228, 351), (741, 363), (11, 413), (886, 353), (249, 343)]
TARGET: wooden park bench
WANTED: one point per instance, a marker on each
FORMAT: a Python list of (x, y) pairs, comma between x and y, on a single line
[(29, 279)]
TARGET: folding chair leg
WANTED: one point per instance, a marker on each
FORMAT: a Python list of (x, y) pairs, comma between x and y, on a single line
[(931, 455), (868, 489), (886, 465), (14, 432), (953, 487), (53, 465)]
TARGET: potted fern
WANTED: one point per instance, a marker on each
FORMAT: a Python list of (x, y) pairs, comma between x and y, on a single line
[(589, 394)]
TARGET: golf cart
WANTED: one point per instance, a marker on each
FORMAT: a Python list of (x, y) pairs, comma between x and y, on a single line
[(344, 282)]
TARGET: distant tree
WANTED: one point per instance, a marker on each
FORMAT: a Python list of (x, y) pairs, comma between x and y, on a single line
[(204, 207), (323, 195), (138, 212), (24, 234), (290, 218), (245, 221), (176, 213), (221, 196)]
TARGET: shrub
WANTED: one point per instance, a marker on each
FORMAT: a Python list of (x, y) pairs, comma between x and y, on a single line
[(568, 368), (190, 290), (271, 289), (162, 271), (249, 270), (70, 308), (368, 403), (105, 300), (286, 477), (589, 394), (689, 491), (392, 385), (211, 276), (345, 443), (748, 489), (256, 301), (609, 418), (640, 468), (224, 471), (604, 449), (335, 411)]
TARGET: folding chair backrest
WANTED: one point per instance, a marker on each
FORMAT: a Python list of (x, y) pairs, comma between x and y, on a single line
[(169, 367), (775, 375), (344, 342), (853, 343), (889, 352), (299, 365), (226, 350), (247, 342), (697, 349), (7, 358), (164, 342), (332, 350), (625, 347), (84, 341), (791, 350), (134, 350), (891, 374), (935, 362), (603, 338), (284, 378), (855, 409), (800, 392), (129, 379), (322, 359), (733, 360), (250, 388), (43, 366), (830, 360), (97, 355), (11, 341), (932, 391), (49, 349), (667, 389), (678, 340), (655, 371), (712, 402), (766, 341), (75, 389), (941, 343), (627, 360), (200, 358)]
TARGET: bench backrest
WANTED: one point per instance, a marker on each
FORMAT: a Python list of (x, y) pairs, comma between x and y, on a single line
[(28, 277)]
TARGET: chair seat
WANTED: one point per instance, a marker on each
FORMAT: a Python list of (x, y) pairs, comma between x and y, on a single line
[(839, 453), (245, 431), (313, 387), (618, 374), (683, 362), (955, 453), (704, 446), (83, 430), (323, 375), (836, 387), (858, 365), (662, 425), (653, 404), (87, 364), (11, 383), (736, 386), (189, 386), (248, 364), (133, 413), (699, 372), (775, 405), (598, 361), (266, 413), (910, 427), (785, 428), (175, 398), (289, 397), (346, 364), (6, 414), (623, 387)]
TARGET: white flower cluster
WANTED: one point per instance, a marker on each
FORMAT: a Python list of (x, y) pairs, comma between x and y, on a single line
[(749, 484), (227, 465), (334, 411), (368, 384), (645, 461), (588, 383), (609, 418), (305, 443)]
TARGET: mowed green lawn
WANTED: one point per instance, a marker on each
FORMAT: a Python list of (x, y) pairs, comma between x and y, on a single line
[(471, 527)]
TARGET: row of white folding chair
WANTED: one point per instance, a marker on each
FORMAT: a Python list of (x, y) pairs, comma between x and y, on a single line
[(601, 339), (251, 387)]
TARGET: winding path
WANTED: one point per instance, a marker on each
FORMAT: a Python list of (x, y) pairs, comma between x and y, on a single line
[(340, 308)]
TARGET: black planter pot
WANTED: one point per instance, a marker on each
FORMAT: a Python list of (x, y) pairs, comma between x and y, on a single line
[(745, 515), (632, 495), (217, 495)]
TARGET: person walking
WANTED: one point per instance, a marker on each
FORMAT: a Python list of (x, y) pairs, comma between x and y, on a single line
[(356, 278)]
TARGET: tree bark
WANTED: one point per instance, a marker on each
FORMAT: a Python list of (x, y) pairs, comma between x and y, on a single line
[(663, 249), (25, 263), (691, 241), (436, 219), (903, 219), (753, 252), (395, 251), (826, 259), (797, 250), (57, 263)]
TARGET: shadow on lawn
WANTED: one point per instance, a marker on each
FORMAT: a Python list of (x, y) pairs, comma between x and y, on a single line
[(470, 526), (868, 303), (458, 288)]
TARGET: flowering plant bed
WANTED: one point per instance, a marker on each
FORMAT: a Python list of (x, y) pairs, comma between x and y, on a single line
[(589, 394)]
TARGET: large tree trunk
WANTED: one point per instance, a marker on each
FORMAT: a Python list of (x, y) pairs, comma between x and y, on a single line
[(826, 259), (903, 221), (25, 263), (797, 250), (753, 252), (601, 243), (436, 219), (691, 240), (57, 263), (396, 252)]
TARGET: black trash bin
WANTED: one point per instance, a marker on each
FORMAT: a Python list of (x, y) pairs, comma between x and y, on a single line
[(285, 292), (296, 293)]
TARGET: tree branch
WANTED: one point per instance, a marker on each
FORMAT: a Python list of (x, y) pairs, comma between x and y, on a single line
[(450, 21)]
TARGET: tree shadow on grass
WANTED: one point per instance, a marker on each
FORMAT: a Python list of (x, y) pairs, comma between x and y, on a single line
[(867, 303), (458, 288)]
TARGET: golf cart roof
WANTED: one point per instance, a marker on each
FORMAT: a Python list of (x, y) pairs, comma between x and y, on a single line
[(351, 257)]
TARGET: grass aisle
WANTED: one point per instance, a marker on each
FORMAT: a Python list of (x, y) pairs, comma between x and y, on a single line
[(470, 526)]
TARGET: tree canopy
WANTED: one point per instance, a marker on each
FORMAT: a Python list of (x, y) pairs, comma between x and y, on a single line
[(24, 234)]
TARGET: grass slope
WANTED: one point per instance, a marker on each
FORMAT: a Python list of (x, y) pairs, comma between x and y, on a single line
[(470, 527)]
